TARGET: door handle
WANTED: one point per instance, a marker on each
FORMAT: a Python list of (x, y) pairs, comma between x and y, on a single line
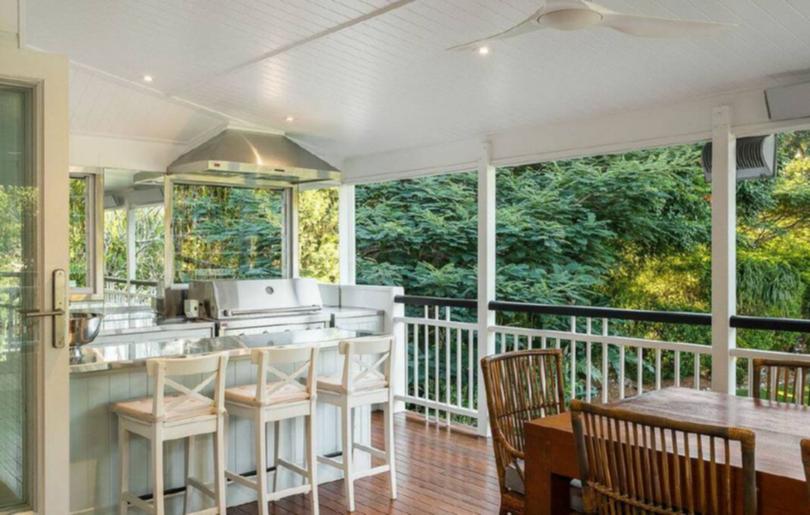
[(58, 313), (35, 313)]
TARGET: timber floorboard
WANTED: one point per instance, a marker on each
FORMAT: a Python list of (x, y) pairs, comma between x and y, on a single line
[(438, 471)]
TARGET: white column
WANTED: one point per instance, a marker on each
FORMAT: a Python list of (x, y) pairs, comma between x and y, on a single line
[(293, 253), (486, 274), (346, 234), (724, 257)]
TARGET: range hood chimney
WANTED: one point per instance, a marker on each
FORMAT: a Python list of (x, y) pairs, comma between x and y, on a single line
[(243, 157)]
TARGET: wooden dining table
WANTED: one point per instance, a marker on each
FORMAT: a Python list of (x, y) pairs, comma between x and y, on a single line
[(551, 460)]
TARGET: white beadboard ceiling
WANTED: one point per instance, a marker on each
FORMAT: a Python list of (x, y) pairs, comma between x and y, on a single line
[(367, 76)]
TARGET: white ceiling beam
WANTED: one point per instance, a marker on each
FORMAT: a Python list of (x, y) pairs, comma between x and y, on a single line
[(662, 125)]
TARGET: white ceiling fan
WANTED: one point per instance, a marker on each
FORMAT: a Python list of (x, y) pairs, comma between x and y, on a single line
[(581, 14)]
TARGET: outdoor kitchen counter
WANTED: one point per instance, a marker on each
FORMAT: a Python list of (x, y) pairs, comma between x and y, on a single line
[(97, 357), (113, 372)]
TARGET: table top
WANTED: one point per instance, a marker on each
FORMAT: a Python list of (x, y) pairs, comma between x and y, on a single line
[(779, 427)]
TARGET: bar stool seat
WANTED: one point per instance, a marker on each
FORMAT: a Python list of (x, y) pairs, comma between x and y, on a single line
[(335, 384), (246, 394), (184, 415), (177, 408)]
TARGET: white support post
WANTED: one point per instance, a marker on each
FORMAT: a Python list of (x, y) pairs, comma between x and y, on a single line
[(346, 234), (486, 274), (724, 242), (294, 252)]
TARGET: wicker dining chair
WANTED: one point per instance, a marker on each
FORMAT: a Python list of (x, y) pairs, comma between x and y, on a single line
[(805, 445), (520, 386), (781, 381), (624, 471)]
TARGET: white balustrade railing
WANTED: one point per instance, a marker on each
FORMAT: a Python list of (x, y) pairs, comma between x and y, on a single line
[(441, 369), (442, 362)]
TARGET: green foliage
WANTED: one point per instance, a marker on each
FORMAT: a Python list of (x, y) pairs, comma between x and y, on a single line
[(630, 230), (318, 234)]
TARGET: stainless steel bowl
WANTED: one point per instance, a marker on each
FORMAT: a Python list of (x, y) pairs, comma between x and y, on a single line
[(84, 327)]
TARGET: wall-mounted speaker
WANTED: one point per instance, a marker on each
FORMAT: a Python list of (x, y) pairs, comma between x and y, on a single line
[(788, 102), (756, 158)]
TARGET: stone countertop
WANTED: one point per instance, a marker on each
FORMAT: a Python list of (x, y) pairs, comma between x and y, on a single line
[(100, 357)]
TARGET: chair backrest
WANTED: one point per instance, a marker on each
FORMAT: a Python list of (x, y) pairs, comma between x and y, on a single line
[(271, 380), (520, 386), (625, 466), (163, 369), (367, 358), (805, 446), (781, 381)]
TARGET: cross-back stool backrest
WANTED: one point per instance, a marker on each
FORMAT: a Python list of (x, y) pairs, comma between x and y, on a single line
[(781, 381), (163, 369), (633, 462), (370, 357), (271, 380)]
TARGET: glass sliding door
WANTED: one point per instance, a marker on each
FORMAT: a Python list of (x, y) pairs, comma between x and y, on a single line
[(18, 279)]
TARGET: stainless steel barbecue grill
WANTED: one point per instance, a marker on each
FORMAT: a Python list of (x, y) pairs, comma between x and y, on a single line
[(260, 306)]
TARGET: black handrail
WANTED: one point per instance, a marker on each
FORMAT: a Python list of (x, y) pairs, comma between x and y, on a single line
[(417, 300), (669, 317), (770, 324)]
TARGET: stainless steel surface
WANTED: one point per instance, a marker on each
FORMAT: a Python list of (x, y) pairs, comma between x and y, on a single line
[(83, 327), (235, 299), (253, 157), (98, 357)]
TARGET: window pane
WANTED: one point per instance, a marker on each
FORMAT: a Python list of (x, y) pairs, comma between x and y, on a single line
[(318, 234), (18, 279), (115, 243), (78, 232), (149, 243), (226, 232)]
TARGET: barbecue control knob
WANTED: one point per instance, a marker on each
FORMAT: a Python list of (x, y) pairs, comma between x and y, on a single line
[(269, 290)]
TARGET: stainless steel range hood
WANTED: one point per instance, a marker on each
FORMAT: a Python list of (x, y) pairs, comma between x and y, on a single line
[(252, 158)]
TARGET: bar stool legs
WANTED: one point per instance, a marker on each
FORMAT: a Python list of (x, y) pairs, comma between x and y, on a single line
[(123, 467), (362, 384), (390, 458), (347, 434)]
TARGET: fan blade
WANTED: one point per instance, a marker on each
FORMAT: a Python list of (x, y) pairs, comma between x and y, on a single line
[(527, 25), (653, 27)]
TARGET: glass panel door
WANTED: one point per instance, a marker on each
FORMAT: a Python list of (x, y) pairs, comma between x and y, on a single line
[(18, 279)]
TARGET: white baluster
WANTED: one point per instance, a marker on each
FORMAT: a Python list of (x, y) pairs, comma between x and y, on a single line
[(605, 371), (588, 360)]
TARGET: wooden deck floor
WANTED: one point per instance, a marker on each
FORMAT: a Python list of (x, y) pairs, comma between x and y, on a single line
[(438, 471)]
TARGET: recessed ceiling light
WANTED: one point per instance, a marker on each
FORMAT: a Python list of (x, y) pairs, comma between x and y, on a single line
[(483, 50), (147, 78), (290, 119)]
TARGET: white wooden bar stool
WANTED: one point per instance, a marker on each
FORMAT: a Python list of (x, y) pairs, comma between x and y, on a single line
[(365, 380), (187, 414), (280, 398)]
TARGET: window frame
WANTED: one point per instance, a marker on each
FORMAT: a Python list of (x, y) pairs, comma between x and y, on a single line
[(289, 215), (94, 236)]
